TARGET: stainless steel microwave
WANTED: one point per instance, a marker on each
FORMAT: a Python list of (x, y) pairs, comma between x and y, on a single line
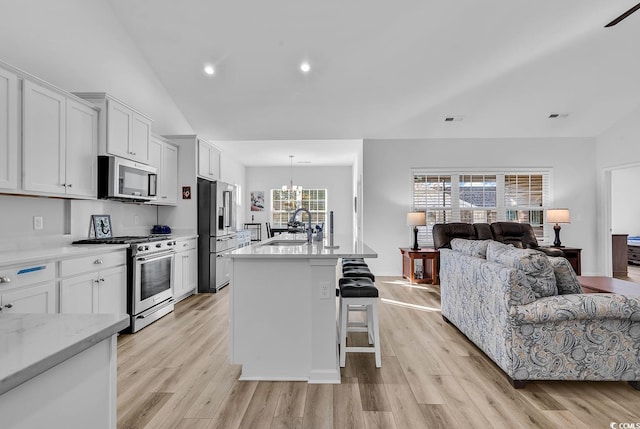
[(124, 180)]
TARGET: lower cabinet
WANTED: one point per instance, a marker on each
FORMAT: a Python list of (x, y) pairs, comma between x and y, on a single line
[(94, 284), (30, 299), (185, 269), (97, 292)]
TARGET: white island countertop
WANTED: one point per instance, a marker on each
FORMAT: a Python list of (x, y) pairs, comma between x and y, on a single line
[(34, 343), (295, 246)]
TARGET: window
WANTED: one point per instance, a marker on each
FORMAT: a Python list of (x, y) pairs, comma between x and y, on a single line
[(284, 203), (481, 197)]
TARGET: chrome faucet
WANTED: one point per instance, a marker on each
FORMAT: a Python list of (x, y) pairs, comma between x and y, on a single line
[(293, 219)]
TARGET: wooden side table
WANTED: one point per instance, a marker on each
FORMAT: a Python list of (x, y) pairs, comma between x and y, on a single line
[(429, 271), (573, 255)]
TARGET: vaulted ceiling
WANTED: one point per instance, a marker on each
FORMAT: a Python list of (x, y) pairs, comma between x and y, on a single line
[(391, 69)]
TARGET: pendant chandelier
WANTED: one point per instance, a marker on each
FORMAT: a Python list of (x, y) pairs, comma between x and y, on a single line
[(291, 187)]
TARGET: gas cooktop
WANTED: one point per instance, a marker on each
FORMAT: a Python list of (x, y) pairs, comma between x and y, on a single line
[(125, 239)]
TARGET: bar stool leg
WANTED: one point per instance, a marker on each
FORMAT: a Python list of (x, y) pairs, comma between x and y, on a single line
[(344, 316), (376, 333)]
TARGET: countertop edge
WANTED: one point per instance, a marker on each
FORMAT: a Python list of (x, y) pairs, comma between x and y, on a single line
[(30, 371)]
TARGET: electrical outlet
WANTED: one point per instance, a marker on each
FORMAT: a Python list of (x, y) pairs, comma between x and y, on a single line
[(136, 219), (325, 289), (38, 222)]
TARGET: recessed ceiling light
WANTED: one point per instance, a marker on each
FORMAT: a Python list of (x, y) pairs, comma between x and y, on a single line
[(305, 67), (208, 69)]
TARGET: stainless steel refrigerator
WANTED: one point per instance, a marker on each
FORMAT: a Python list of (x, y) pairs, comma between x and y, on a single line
[(216, 234)]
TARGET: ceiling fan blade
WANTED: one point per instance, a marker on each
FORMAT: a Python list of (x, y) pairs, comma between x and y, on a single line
[(623, 16)]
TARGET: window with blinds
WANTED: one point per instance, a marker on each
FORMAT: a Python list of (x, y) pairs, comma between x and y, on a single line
[(481, 197), (284, 203)]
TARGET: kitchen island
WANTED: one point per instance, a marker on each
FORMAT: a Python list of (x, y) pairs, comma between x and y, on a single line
[(283, 308), (59, 370)]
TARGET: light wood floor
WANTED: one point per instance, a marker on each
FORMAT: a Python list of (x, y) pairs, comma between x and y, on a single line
[(176, 374), (633, 274)]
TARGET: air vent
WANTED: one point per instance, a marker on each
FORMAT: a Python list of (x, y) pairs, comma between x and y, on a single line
[(558, 115), (453, 118)]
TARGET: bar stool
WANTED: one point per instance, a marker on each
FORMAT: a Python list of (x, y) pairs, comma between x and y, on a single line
[(358, 293), (354, 262), (358, 272)]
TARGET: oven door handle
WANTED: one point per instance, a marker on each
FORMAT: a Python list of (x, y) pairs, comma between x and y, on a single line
[(156, 257)]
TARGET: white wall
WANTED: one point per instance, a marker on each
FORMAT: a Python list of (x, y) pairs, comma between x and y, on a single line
[(625, 202), (616, 149), (16, 217), (337, 180), (79, 45), (387, 186)]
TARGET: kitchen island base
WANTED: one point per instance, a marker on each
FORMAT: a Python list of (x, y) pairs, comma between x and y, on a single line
[(283, 319)]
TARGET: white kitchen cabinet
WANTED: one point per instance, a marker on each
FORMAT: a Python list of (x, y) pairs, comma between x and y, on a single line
[(28, 288), (9, 118), (81, 173), (59, 143), (29, 299), (164, 156), (94, 284), (43, 144), (124, 131), (185, 269), (208, 160), (97, 292)]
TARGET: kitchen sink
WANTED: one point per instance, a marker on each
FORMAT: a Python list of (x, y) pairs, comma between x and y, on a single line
[(285, 243)]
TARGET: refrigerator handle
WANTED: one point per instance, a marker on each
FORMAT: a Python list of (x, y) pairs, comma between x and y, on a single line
[(227, 209)]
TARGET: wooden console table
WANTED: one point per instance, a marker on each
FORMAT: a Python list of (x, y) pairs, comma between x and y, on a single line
[(595, 284), (429, 271)]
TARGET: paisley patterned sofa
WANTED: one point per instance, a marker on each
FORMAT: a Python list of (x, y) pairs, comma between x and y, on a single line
[(526, 311)]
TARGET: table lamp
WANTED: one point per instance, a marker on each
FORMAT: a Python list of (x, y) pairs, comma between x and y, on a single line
[(558, 216), (414, 219)]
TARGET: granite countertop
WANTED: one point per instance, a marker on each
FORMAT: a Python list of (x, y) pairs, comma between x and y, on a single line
[(56, 248), (295, 246), (33, 343)]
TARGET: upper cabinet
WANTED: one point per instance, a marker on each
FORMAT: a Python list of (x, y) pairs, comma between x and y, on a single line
[(124, 131), (208, 160), (59, 143), (164, 156), (8, 130)]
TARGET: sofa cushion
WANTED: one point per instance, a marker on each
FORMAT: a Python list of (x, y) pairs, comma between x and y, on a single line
[(536, 266), (475, 248), (566, 280)]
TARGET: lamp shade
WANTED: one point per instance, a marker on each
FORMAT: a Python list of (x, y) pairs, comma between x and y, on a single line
[(558, 216), (416, 218)]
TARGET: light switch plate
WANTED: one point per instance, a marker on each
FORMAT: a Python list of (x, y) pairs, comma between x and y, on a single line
[(38, 222)]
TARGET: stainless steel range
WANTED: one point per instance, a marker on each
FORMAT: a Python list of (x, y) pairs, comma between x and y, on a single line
[(149, 276)]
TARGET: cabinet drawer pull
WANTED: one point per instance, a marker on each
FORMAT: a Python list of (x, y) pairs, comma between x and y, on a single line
[(8, 306), (32, 269), (5, 279), (98, 261)]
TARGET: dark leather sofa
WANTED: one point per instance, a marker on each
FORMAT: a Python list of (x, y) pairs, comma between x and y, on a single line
[(521, 235)]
